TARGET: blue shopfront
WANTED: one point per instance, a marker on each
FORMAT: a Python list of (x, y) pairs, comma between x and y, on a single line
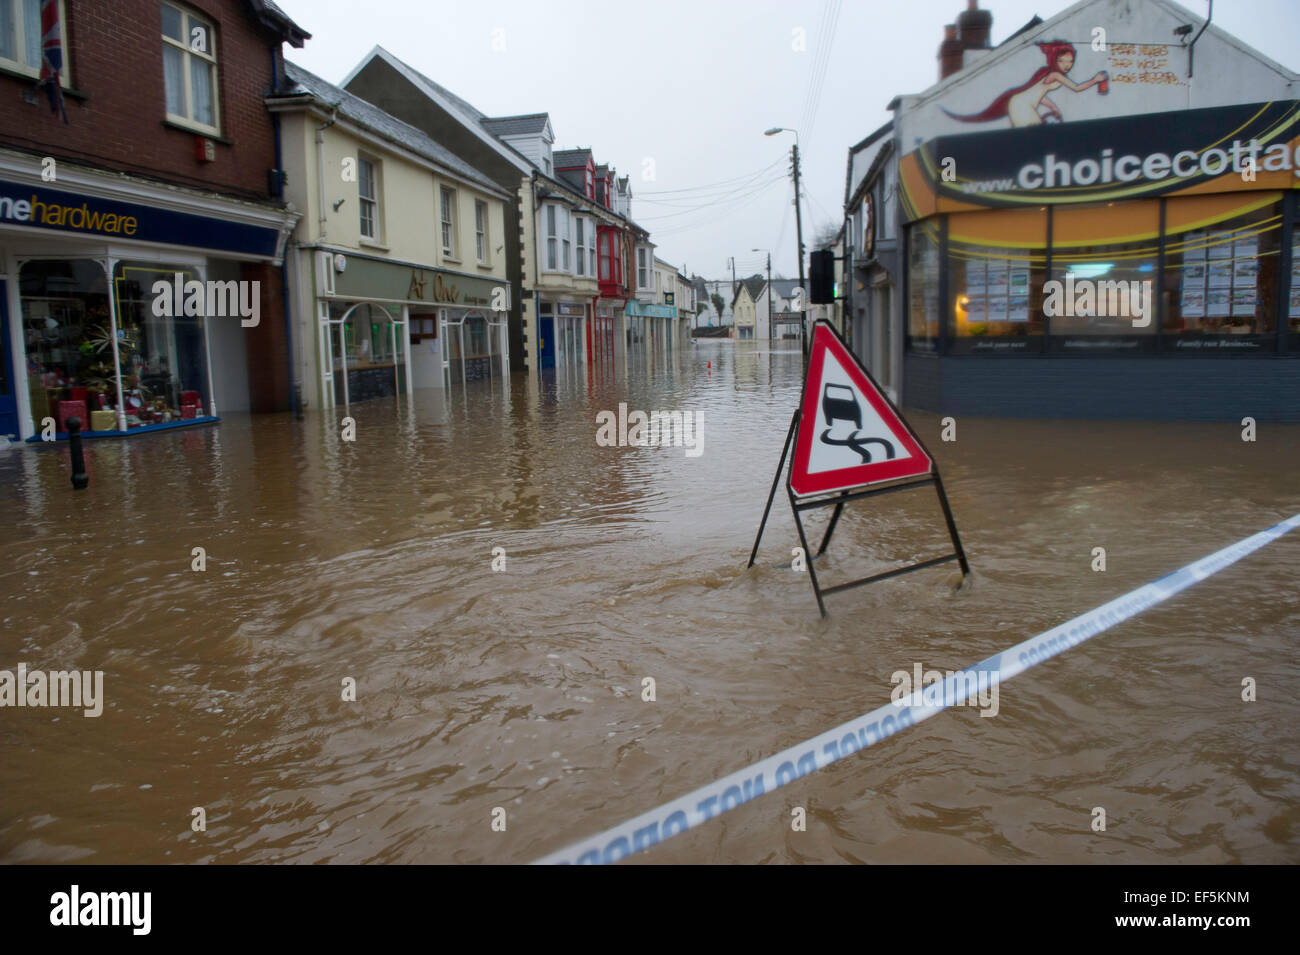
[(650, 323), (84, 331)]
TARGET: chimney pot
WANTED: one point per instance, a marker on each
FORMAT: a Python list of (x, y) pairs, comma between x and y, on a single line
[(974, 27), (950, 52)]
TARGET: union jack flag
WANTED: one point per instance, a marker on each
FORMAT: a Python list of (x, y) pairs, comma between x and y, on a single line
[(52, 56)]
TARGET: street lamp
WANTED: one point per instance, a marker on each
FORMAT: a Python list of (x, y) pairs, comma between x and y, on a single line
[(769, 290), (798, 224)]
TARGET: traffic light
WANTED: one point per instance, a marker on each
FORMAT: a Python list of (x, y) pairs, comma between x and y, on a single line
[(821, 277)]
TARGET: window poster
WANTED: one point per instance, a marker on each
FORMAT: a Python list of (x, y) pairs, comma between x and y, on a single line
[(1243, 301), (998, 281), (1295, 281), (1018, 295), (1193, 305), (1195, 247), (975, 290), (1194, 302), (1221, 250), (1217, 302), (1220, 273)]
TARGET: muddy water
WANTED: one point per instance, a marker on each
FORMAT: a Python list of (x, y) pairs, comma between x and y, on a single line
[(522, 688)]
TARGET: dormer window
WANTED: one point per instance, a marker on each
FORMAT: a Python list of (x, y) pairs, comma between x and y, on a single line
[(591, 187)]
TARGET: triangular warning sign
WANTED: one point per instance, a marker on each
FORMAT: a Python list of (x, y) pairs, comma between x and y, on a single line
[(849, 434)]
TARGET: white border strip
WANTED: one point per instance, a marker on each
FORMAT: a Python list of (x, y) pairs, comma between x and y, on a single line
[(712, 800)]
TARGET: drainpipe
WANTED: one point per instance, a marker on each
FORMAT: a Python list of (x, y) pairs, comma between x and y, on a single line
[(320, 169), (538, 219), (295, 386), (1191, 49)]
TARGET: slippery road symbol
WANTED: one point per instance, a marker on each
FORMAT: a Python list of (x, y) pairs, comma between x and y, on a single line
[(840, 402)]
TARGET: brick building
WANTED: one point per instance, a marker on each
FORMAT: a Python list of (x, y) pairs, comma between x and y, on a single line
[(160, 159)]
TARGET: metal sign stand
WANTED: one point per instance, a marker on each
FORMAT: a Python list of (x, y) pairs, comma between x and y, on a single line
[(839, 499)]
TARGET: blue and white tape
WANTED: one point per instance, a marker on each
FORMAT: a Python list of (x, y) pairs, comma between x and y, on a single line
[(705, 803)]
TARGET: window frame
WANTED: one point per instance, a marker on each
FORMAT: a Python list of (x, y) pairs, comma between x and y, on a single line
[(20, 46), (580, 246), (566, 240), (364, 160), (447, 200), (481, 231), (552, 237), (187, 51)]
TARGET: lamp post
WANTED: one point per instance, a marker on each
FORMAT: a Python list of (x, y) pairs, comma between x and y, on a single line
[(798, 224), (769, 290)]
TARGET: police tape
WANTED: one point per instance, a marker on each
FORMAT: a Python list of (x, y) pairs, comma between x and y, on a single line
[(707, 802)]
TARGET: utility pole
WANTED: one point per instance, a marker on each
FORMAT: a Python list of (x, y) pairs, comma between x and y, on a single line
[(733, 289), (770, 298), (798, 224)]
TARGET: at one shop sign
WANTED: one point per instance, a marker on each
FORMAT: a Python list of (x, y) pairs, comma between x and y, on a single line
[(1254, 146)]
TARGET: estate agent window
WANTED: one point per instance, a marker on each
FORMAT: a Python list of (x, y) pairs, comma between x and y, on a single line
[(189, 68)]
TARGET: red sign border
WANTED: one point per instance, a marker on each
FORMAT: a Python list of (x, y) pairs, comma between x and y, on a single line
[(862, 475)]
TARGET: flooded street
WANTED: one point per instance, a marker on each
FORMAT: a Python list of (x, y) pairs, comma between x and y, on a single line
[(521, 688)]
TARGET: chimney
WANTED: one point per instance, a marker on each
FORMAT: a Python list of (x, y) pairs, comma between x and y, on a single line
[(950, 51), (974, 26)]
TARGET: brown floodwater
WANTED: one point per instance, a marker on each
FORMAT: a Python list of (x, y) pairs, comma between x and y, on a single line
[(521, 688)]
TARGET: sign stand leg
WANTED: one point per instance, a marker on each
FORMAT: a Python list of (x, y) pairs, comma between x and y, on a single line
[(794, 421), (839, 509), (803, 541), (952, 526)]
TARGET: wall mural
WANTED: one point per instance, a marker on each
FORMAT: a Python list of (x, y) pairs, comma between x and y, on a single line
[(1029, 104)]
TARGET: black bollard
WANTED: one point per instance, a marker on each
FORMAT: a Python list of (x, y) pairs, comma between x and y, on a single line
[(80, 479)]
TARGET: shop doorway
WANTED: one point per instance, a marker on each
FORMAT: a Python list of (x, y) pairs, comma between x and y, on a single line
[(546, 342), (366, 351), (474, 346), (8, 400)]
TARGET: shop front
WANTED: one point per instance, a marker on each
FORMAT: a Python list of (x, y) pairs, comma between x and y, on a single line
[(600, 346), (1165, 243), (650, 324), (564, 332), (126, 305), (385, 328)]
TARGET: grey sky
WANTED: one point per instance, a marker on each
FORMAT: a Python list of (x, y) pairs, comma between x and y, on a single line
[(692, 85)]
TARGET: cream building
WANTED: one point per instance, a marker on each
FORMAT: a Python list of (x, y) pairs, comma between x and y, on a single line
[(398, 277)]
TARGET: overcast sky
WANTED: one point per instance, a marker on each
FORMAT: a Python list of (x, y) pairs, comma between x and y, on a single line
[(690, 85)]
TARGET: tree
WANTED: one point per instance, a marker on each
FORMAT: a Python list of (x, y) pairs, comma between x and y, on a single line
[(825, 236), (718, 303)]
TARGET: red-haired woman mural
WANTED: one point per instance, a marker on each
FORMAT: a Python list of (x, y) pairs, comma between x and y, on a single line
[(1029, 105)]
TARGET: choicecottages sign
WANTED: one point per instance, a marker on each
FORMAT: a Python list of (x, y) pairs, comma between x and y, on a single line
[(1252, 146)]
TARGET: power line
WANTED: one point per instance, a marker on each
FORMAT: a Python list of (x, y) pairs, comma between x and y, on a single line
[(725, 200), (709, 186)]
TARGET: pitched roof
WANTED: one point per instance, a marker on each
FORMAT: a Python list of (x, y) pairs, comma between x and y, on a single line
[(278, 21), (375, 120), (467, 115), (754, 284), (568, 158), (784, 288), (531, 124)]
